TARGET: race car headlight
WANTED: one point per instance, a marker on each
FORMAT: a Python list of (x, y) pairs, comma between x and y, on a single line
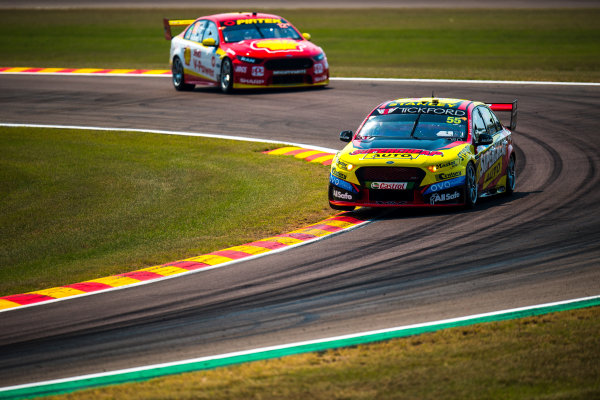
[(249, 60), (319, 57)]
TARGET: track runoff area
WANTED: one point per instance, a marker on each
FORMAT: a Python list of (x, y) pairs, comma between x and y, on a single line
[(334, 225)]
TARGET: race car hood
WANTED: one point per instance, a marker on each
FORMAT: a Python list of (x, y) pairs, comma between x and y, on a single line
[(269, 48), (410, 152)]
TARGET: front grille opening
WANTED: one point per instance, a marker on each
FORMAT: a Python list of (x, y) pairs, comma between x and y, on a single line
[(392, 195), (288, 79), (283, 64)]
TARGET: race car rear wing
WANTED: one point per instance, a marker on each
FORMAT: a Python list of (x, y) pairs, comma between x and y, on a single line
[(168, 23), (512, 107)]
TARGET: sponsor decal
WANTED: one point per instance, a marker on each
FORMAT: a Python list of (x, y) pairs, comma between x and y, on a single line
[(202, 69), (442, 177), (389, 185), (277, 45), (242, 69), (422, 110), (338, 174), (291, 72), (411, 153), (493, 172), (436, 187), (342, 195), (385, 111), (318, 68), (258, 71), (342, 184), (491, 156), (341, 165), (320, 78), (420, 103), (443, 197), (252, 81), (463, 153), (446, 164), (187, 55), (248, 21)]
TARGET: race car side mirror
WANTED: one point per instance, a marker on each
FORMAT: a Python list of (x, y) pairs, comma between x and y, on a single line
[(209, 42), (306, 36), (346, 136), (485, 139)]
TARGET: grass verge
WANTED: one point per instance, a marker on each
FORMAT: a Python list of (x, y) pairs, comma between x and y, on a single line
[(78, 205), (554, 356), (559, 45)]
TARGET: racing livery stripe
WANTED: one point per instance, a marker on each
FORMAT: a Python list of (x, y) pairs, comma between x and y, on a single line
[(314, 156), (26, 70), (321, 229)]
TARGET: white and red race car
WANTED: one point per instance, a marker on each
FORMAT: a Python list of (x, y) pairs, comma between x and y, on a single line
[(244, 51)]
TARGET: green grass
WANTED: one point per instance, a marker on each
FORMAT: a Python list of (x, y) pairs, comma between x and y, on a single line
[(78, 205), (559, 45), (554, 356)]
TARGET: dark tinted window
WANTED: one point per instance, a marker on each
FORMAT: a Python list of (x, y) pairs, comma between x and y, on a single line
[(489, 119)]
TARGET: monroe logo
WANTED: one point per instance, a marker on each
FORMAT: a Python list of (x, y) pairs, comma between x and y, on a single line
[(438, 198), (342, 195), (389, 185), (441, 177)]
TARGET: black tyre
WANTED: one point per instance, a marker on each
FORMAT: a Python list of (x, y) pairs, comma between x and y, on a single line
[(178, 76), (471, 194), (226, 79), (511, 177)]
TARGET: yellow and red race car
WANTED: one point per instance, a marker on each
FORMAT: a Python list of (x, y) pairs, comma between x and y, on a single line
[(244, 51), (425, 152)]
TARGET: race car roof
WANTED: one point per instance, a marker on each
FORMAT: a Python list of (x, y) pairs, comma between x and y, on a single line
[(243, 15)]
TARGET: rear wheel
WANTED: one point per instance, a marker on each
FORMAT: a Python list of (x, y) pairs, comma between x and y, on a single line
[(470, 186), (179, 77), (511, 177), (226, 76)]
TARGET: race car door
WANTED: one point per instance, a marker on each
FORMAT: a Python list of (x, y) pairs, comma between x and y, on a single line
[(491, 157), (202, 59)]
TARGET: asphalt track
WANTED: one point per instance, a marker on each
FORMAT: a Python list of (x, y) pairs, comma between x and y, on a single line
[(540, 245)]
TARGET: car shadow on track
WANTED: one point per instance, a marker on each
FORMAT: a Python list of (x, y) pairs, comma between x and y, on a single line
[(483, 204), (260, 92)]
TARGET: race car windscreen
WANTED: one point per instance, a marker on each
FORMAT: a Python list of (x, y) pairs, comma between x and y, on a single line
[(414, 126), (260, 30)]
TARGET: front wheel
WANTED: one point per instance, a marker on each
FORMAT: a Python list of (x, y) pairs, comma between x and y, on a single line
[(179, 77), (470, 187), (511, 177), (226, 76)]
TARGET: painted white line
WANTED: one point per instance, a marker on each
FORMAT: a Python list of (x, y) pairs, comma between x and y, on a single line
[(469, 81), (179, 133), (299, 344), (358, 79)]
